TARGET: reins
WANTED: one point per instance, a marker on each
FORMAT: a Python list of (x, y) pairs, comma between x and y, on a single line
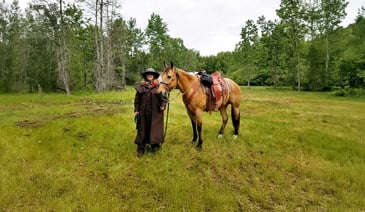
[(167, 116)]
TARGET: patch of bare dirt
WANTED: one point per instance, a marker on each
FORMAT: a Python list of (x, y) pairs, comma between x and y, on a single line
[(90, 107), (29, 124)]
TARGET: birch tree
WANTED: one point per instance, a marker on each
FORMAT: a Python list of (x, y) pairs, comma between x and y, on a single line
[(62, 54)]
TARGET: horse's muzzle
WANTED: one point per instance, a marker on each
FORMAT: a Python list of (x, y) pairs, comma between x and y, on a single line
[(163, 90), (165, 95)]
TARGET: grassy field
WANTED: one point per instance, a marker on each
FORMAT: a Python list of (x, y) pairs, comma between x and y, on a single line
[(295, 152)]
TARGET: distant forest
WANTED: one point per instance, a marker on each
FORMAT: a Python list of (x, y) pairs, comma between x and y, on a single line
[(54, 46)]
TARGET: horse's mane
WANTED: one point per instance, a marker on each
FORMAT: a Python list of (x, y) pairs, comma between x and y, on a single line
[(190, 75)]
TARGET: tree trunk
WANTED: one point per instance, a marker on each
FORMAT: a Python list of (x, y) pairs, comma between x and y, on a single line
[(100, 75), (273, 69), (109, 50), (325, 83), (249, 79), (97, 71), (273, 76), (62, 63), (298, 71), (101, 49), (123, 77)]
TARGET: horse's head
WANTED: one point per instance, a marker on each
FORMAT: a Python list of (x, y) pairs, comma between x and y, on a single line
[(168, 79)]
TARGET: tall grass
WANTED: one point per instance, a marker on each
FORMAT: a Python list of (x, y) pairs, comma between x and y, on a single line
[(295, 151)]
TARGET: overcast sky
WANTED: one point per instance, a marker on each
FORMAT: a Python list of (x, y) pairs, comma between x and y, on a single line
[(210, 26)]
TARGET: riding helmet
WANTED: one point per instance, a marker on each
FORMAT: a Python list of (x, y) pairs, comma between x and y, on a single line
[(150, 71)]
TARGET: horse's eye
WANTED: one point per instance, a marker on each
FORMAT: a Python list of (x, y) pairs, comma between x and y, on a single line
[(169, 77)]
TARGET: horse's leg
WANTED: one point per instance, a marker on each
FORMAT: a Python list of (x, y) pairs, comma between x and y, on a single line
[(193, 126), (198, 116), (224, 116), (236, 119), (200, 142), (199, 121), (195, 134)]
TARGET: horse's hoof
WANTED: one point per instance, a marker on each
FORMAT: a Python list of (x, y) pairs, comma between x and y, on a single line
[(235, 137), (220, 136), (199, 148)]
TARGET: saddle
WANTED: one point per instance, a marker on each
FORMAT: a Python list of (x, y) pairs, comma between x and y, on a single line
[(217, 92)]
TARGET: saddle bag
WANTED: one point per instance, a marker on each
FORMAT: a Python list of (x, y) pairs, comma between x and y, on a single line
[(206, 80)]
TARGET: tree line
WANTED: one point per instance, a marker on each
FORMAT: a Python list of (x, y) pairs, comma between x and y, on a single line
[(87, 45)]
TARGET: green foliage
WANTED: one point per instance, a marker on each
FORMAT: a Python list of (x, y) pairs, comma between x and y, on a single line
[(352, 92), (295, 151), (162, 47), (304, 48)]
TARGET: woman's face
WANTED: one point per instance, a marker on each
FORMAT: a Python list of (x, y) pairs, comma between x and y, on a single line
[(149, 77)]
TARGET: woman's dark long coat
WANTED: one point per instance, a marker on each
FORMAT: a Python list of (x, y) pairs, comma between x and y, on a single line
[(150, 127)]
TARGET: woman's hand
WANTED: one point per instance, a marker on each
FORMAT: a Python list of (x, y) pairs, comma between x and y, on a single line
[(162, 108), (137, 118)]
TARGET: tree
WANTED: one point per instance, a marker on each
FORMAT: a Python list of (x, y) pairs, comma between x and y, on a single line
[(80, 47), (312, 17), (119, 45), (62, 53), (270, 37), (41, 49), (292, 13), (156, 34), (104, 12), (100, 75), (331, 13), (111, 7), (12, 48), (247, 48), (353, 64), (137, 59)]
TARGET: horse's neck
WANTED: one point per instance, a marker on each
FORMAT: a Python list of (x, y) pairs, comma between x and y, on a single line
[(186, 81)]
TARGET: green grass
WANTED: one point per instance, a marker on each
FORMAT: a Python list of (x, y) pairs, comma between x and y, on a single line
[(296, 151)]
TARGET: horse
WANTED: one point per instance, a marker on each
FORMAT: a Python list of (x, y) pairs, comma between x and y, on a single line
[(196, 99)]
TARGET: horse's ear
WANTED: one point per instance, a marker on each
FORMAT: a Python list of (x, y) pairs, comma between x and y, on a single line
[(165, 65), (172, 65)]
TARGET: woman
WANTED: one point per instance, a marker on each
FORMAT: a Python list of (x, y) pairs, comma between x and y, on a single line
[(149, 109)]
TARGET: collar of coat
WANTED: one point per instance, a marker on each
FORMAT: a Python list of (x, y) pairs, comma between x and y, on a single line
[(150, 85)]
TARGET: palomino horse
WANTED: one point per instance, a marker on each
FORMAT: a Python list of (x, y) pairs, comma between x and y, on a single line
[(196, 99)]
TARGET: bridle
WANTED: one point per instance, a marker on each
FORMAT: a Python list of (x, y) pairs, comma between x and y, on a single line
[(168, 83)]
